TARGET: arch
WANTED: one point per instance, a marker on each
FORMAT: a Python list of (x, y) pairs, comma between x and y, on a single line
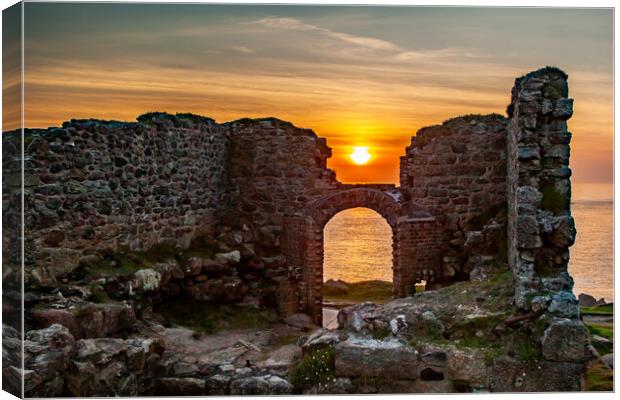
[(387, 204), (416, 241)]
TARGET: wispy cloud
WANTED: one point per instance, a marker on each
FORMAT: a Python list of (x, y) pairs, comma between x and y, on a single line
[(243, 49), (294, 24)]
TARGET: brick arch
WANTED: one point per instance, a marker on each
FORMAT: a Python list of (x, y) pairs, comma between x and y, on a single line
[(385, 203), (410, 224)]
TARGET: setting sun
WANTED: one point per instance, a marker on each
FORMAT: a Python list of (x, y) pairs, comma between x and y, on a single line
[(360, 155)]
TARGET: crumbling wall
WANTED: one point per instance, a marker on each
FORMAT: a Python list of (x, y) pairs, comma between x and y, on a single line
[(457, 170), (101, 186), (275, 169), (540, 226)]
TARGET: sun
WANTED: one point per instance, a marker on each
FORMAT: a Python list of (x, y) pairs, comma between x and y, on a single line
[(360, 155)]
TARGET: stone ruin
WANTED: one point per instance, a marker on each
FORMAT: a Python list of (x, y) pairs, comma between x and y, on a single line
[(478, 195)]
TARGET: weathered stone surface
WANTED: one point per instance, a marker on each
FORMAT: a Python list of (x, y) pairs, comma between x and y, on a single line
[(509, 375), (180, 386), (565, 340), (390, 359), (608, 359), (467, 365), (260, 385)]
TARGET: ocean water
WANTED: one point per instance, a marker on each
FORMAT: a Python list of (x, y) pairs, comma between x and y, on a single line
[(358, 243)]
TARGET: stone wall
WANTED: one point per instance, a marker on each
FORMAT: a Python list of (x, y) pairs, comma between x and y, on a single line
[(275, 169), (457, 170), (540, 225), (99, 187)]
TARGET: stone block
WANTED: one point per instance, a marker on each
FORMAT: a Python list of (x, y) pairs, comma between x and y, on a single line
[(367, 357), (565, 340)]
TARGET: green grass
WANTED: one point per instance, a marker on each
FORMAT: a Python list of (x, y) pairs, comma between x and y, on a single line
[(604, 331), (359, 292), (599, 378), (315, 368), (209, 318), (527, 350), (607, 309)]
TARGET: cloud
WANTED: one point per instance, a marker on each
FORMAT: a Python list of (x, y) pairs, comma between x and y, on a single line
[(243, 50), (294, 24)]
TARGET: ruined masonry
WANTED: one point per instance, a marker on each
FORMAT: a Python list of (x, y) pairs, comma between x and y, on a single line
[(477, 195)]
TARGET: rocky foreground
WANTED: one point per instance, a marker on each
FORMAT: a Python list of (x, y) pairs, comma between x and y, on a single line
[(461, 338)]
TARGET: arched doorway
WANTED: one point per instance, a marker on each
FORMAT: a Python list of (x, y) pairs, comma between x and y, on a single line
[(416, 244), (321, 213), (357, 261), (357, 246)]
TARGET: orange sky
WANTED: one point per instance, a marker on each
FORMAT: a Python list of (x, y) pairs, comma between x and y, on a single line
[(359, 76)]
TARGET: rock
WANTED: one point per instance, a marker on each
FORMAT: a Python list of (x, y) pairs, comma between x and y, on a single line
[(146, 280), (602, 342), (467, 365), (398, 324), (564, 304), (260, 385), (180, 387), (274, 262), (183, 369), (300, 321), (509, 375), (320, 339), (99, 351), (218, 384), (540, 303), (232, 257), (563, 109), (366, 357), (585, 300), (336, 287), (608, 359), (356, 317), (565, 340), (47, 354)]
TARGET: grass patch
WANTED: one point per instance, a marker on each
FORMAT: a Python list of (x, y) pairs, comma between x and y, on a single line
[(127, 263), (209, 318), (472, 342), (599, 378), (607, 309), (315, 368), (376, 291), (606, 332), (527, 350)]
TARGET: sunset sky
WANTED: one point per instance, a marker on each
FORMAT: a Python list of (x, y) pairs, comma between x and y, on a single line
[(360, 76)]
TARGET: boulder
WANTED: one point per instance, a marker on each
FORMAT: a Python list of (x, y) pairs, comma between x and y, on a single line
[(467, 365), (565, 340), (100, 351), (180, 387), (146, 280), (608, 359), (260, 385), (320, 339), (300, 321), (509, 375), (564, 304), (360, 356), (218, 384), (47, 354), (356, 317)]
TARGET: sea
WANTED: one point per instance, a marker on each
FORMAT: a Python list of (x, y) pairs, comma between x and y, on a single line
[(358, 243)]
